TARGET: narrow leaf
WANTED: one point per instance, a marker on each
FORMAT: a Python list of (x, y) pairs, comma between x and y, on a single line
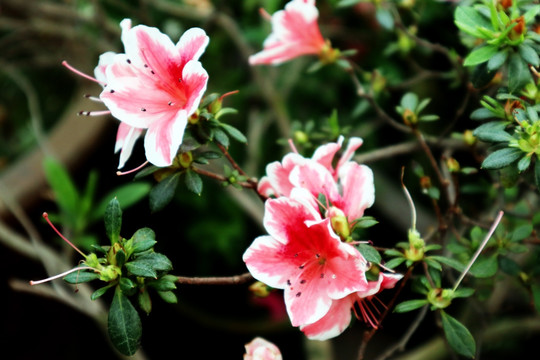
[(163, 192), (125, 329), (193, 182), (458, 336), (113, 220), (501, 158), (480, 55)]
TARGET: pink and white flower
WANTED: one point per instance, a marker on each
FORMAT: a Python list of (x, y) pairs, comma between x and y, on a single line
[(295, 32), (304, 257), (156, 85), (347, 186), (338, 318), (262, 349)]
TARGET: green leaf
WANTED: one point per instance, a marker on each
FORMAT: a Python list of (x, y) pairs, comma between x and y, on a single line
[(453, 263), (409, 101), (193, 182), (492, 132), (143, 239), (113, 220), (124, 323), (523, 163), (100, 292), (480, 55), (497, 60), (518, 73), (66, 195), (410, 305), (159, 261), (468, 20), (370, 253), (537, 173), (141, 268), (458, 336), (384, 18), (127, 285), (485, 266), (145, 303), (501, 158), (165, 283), (163, 192), (234, 132), (79, 277), (221, 137), (529, 55), (535, 288), (481, 75), (148, 265), (168, 297)]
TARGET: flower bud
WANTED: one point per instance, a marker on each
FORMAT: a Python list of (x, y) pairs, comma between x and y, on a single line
[(469, 138), (453, 165), (185, 159), (409, 117), (440, 298), (259, 289), (339, 222)]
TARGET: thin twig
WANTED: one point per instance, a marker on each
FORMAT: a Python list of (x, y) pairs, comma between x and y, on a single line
[(222, 280)]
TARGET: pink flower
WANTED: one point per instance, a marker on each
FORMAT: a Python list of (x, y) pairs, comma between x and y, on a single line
[(347, 186), (261, 349), (156, 85), (338, 318), (303, 256), (295, 32)]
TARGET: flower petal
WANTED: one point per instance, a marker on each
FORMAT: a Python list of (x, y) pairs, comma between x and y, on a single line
[(336, 320), (125, 140), (358, 190), (163, 139)]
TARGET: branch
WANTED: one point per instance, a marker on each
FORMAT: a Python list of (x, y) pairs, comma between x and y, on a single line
[(223, 280)]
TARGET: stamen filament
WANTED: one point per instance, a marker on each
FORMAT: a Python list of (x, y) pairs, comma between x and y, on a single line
[(46, 216), (80, 73), (32, 282), (120, 173), (480, 248), (293, 148)]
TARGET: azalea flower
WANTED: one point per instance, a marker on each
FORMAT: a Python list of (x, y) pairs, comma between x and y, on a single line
[(338, 318), (156, 85), (295, 32), (261, 349), (303, 256), (348, 186)]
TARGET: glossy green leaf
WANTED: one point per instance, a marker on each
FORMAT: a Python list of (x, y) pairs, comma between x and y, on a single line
[(234, 132), (497, 60), (518, 73), (529, 55), (501, 158), (410, 305), (124, 324), (78, 277), (468, 20), (143, 239), (113, 220), (370, 253), (193, 182), (163, 192), (458, 336), (492, 132), (480, 55)]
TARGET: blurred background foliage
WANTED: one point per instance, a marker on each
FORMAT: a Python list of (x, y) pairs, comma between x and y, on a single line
[(206, 235)]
